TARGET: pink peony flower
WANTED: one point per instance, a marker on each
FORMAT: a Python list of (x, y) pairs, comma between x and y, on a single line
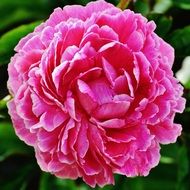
[(94, 93)]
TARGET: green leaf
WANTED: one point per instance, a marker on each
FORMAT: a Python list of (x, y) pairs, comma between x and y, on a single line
[(163, 23), (161, 6), (44, 182), (3, 107), (17, 12), (29, 5), (17, 160), (170, 151), (142, 6), (183, 166), (162, 177), (183, 74), (136, 183), (183, 163), (3, 102), (183, 4), (49, 182), (10, 143), (9, 40), (180, 40), (20, 170), (187, 85), (187, 109), (15, 17)]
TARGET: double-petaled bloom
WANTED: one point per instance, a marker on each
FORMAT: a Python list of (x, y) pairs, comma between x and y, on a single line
[(94, 93)]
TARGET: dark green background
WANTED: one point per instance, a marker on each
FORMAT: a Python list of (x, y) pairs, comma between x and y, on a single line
[(18, 167)]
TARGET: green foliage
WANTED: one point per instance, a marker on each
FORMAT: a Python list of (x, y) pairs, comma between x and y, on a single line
[(48, 182), (14, 159), (180, 40), (163, 23), (184, 4), (17, 12), (183, 168), (142, 7), (161, 6), (13, 145), (10, 39)]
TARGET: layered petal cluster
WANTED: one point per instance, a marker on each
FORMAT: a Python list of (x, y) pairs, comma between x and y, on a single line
[(94, 93)]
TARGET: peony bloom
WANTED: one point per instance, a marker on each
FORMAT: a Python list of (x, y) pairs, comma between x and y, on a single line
[(94, 94)]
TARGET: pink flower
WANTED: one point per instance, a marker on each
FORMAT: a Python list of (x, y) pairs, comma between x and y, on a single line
[(94, 93)]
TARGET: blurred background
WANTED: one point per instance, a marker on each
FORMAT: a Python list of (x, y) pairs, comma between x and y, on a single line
[(18, 167)]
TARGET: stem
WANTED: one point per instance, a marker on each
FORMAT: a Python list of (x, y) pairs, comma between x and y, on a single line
[(123, 4), (4, 101)]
